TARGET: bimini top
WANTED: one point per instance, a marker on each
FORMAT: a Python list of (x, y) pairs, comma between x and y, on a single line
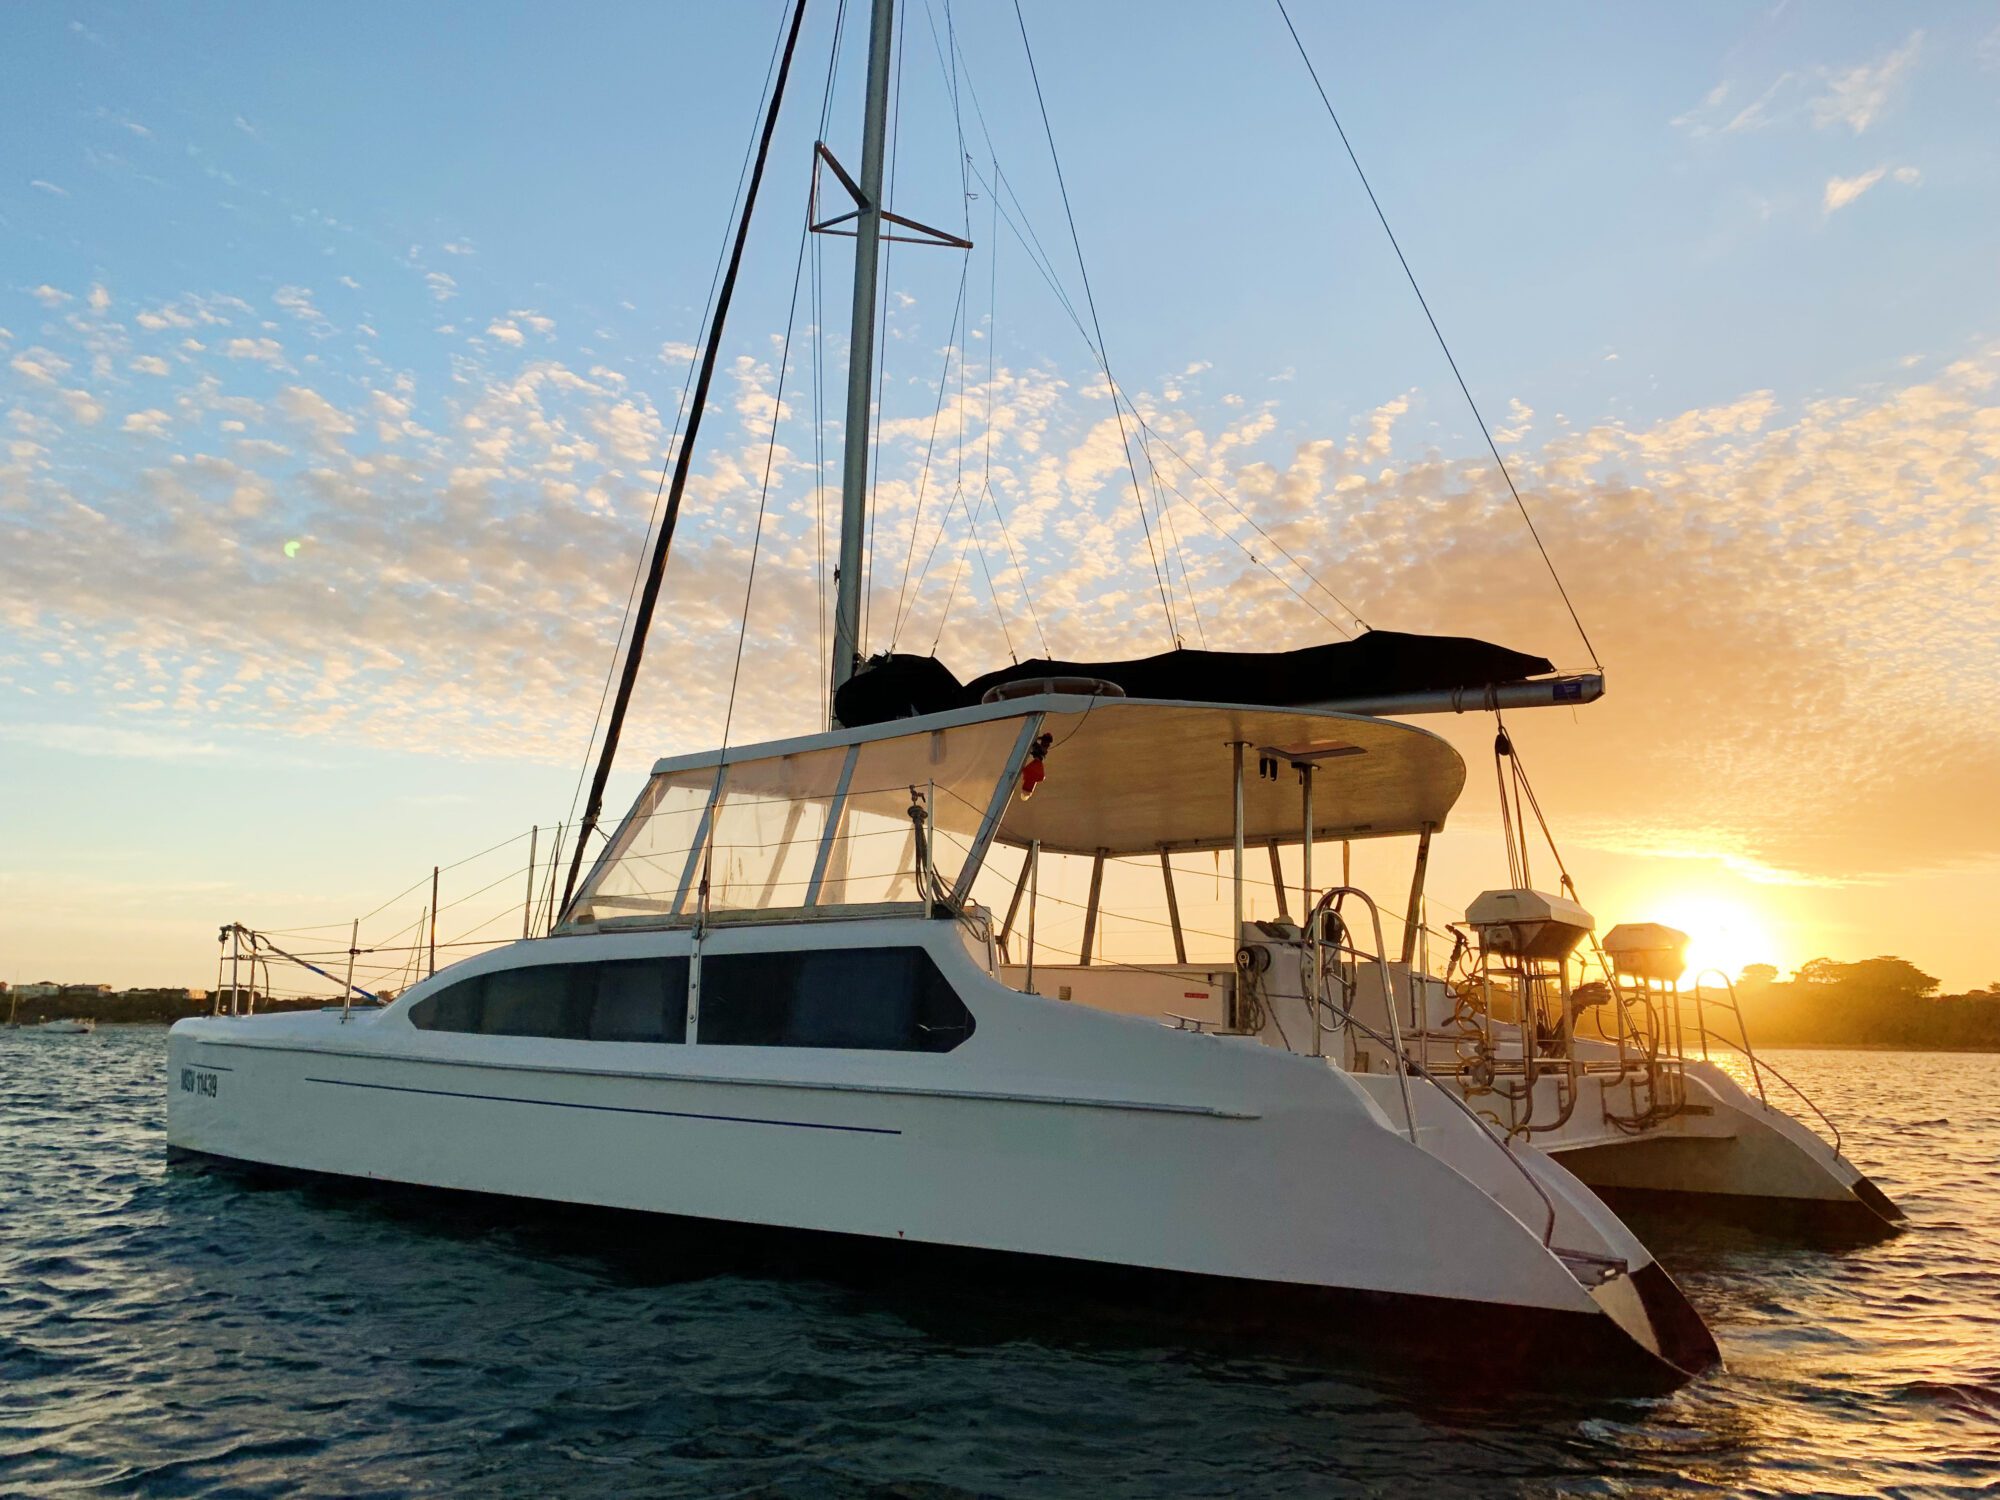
[(1130, 776), (1133, 775), (832, 820)]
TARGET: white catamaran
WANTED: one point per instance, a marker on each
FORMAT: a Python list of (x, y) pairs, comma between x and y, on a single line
[(799, 989)]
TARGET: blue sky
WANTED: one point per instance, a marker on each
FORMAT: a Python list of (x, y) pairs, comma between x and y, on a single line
[(409, 288)]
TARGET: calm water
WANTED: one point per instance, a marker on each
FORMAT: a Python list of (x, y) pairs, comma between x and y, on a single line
[(176, 1332)]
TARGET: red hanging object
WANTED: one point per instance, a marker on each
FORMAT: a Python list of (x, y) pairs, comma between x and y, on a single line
[(1036, 768)]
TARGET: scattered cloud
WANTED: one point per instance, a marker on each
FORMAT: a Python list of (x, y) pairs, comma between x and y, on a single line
[(1841, 191), (84, 409), (50, 296), (113, 741), (297, 301), (48, 187), (40, 366), (442, 286), (465, 530), (264, 351), (1856, 97)]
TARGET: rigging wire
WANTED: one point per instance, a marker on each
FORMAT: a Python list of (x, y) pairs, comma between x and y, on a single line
[(951, 350), (680, 415), (649, 597), (757, 532), (971, 514), (1090, 301), (1021, 225), (1485, 431), (1253, 523), (1024, 235), (1187, 580), (824, 598), (1276, 576), (986, 490)]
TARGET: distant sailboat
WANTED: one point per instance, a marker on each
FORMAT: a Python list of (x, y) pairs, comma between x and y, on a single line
[(62, 1026)]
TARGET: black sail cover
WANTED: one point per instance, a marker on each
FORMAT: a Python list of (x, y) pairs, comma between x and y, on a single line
[(1373, 665)]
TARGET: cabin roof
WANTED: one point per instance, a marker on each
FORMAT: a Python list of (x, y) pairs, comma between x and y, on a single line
[(1133, 775)]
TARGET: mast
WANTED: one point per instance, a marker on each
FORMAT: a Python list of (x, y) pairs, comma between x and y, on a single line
[(861, 351)]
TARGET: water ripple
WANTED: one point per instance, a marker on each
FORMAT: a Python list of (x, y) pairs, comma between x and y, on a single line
[(184, 1333)]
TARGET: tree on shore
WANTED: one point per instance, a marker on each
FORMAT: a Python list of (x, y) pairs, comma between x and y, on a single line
[(1882, 1001)]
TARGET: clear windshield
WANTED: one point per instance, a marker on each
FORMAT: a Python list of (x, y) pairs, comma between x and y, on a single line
[(821, 828)]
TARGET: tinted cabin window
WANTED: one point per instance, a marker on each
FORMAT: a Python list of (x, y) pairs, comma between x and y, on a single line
[(879, 999), (631, 1000)]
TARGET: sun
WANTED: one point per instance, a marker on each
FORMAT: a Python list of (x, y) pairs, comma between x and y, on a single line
[(1724, 932)]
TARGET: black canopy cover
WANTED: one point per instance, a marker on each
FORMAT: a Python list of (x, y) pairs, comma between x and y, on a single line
[(1373, 665)]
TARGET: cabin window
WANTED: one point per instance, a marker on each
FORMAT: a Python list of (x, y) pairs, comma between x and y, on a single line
[(626, 1000), (874, 999)]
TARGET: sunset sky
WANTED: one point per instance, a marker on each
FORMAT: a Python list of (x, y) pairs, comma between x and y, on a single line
[(341, 347)]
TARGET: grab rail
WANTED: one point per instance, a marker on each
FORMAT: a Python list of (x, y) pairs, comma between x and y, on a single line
[(1325, 901), (1405, 1064), (1758, 1067)]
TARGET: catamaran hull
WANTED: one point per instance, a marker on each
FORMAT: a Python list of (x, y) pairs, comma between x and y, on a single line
[(1307, 1199), (1726, 1153), (1032, 1292)]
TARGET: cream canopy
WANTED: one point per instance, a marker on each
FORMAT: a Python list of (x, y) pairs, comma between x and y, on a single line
[(1133, 775)]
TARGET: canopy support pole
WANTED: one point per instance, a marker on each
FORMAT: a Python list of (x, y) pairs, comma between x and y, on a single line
[(1413, 918), (347, 989), (1014, 905), (1173, 908), (1090, 910), (794, 815), (528, 901), (1236, 881), (836, 809), (1308, 949), (1034, 890), (1305, 770), (996, 809)]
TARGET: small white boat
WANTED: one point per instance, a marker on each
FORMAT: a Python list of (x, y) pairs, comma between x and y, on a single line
[(63, 1026)]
